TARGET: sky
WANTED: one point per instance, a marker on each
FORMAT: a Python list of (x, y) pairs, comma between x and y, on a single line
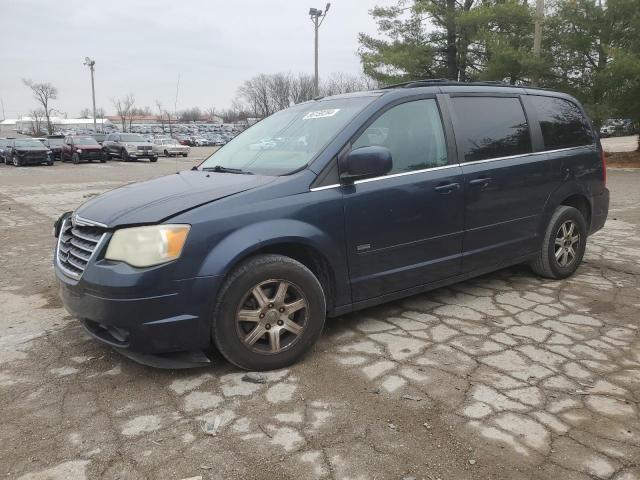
[(142, 46)]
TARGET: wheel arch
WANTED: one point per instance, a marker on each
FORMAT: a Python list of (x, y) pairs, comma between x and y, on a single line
[(569, 194), (298, 240)]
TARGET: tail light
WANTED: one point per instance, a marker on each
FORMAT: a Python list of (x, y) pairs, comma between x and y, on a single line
[(603, 157)]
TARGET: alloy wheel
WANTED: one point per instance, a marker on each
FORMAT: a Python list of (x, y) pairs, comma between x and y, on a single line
[(272, 316), (567, 243)]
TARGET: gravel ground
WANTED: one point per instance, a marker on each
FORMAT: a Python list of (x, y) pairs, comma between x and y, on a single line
[(506, 376)]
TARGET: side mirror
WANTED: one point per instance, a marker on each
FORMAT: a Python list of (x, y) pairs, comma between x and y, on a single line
[(365, 162)]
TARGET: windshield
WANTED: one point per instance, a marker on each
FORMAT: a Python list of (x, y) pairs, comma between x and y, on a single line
[(289, 139), (29, 143), (55, 141), (85, 141), (132, 138)]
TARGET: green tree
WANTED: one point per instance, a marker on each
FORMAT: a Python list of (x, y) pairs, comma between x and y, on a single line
[(589, 41), (457, 39)]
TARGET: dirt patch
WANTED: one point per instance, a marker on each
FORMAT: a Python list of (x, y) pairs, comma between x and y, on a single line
[(624, 159)]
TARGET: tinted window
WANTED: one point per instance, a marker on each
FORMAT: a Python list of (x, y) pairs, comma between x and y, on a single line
[(412, 132), (562, 123), (491, 127)]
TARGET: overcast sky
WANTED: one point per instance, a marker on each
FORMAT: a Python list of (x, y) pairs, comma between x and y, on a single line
[(140, 46)]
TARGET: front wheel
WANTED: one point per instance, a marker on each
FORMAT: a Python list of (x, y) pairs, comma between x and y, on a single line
[(75, 158), (269, 313), (124, 155), (563, 246), (153, 159), (17, 161)]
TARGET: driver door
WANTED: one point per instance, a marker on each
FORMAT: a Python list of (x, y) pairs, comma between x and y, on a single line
[(405, 229)]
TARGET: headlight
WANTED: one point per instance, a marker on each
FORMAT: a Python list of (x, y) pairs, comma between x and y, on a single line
[(147, 246), (79, 150)]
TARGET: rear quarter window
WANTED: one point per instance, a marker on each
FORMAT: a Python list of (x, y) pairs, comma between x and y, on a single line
[(562, 123), (491, 127)]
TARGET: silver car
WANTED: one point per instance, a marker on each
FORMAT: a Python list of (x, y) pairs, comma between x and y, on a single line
[(169, 147), (129, 146)]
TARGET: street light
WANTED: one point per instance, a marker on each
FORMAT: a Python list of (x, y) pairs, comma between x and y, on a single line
[(317, 17), (91, 64)]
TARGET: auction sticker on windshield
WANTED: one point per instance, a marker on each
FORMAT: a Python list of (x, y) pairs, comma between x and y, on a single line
[(329, 112)]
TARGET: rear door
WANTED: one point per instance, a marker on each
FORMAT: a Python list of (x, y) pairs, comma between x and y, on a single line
[(506, 183), (404, 229)]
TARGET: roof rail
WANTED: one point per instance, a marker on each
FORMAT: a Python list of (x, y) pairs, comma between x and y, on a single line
[(446, 82)]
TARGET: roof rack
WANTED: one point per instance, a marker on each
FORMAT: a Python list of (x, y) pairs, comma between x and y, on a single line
[(446, 82)]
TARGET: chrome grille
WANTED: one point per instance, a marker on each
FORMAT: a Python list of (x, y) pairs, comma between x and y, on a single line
[(76, 246), (145, 147)]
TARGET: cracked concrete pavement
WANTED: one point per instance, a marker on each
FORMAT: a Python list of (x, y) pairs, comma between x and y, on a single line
[(506, 376)]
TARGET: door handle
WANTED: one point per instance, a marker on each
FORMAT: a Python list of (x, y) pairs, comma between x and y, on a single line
[(447, 188), (480, 182)]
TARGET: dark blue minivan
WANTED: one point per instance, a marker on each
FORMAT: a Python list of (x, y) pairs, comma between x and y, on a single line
[(330, 206)]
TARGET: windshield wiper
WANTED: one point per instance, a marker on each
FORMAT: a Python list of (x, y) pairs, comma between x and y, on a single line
[(221, 169)]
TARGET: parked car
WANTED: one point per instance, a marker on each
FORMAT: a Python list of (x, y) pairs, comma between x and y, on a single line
[(99, 137), (78, 148), (54, 143), (254, 248), (169, 147), (4, 142), (129, 146), (27, 151)]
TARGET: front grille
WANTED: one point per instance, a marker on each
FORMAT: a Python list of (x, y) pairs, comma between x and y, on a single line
[(76, 247), (144, 147), (93, 153)]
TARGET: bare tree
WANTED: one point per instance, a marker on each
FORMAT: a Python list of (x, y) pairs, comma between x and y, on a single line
[(280, 90), (85, 113), (257, 94), (302, 88), (43, 93), (124, 107), (37, 116), (210, 114)]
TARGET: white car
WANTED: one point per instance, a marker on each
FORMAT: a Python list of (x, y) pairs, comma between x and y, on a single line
[(169, 147)]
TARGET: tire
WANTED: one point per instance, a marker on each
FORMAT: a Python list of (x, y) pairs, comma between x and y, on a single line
[(268, 273), (124, 155), (166, 153), (16, 161), (185, 155), (153, 159), (566, 233), (75, 158), (50, 163)]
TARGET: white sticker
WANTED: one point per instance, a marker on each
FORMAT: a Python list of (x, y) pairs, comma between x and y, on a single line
[(329, 112)]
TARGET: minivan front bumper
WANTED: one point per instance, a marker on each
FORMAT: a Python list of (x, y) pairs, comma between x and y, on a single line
[(175, 319)]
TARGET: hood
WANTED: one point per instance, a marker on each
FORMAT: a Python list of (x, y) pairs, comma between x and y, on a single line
[(88, 147), (32, 149), (164, 197), (136, 144)]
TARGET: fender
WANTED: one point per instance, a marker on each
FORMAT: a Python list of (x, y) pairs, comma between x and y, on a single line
[(556, 197), (247, 240)]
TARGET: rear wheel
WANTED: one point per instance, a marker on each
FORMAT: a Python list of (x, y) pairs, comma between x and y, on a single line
[(75, 158), (166, 153), (563, 246), (17, 162), (124, 155), (153, 159), (270, 311)]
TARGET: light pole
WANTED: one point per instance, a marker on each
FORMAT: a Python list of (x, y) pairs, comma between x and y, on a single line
[(317, 17), (91, 64)]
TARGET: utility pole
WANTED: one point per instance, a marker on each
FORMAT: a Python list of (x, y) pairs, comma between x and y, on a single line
[(91, 64), (317, 17), (537, 35)]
